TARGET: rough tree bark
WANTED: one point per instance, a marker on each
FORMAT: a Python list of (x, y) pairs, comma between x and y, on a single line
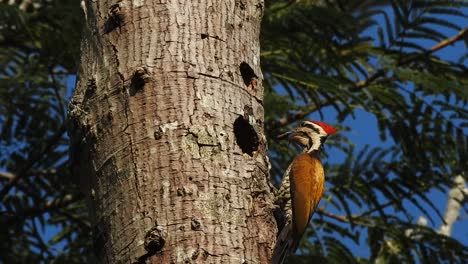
[(167, 132)]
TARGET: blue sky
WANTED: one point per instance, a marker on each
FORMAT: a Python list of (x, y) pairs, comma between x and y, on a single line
[(364, 131)]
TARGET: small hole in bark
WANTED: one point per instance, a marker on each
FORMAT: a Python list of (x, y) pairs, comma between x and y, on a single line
[(139, 78), (204, 36), (190, 178), (157, 134), (114, 19), (195, 224), (154, 241), (246, 137), (247, 73)]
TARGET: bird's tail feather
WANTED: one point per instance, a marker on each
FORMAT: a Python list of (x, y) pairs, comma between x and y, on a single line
[(283, 245)]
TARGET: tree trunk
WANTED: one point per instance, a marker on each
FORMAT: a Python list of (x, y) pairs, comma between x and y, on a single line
[(167, 132)]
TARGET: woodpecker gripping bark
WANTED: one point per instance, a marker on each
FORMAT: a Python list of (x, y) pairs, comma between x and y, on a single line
[(301, 187)]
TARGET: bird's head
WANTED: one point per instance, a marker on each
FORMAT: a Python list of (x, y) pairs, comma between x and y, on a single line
[(309, 134)]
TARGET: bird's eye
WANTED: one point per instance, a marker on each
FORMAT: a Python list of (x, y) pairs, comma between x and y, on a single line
[(303, 124)]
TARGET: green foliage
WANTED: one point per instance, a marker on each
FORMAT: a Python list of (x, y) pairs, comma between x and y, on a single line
[(318, 57), (339, 58), (37, 55)]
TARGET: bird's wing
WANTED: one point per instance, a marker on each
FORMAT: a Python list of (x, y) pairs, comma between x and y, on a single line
[(284, 238), (307, 181)]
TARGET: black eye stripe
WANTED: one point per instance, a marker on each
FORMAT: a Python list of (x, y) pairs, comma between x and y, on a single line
[(311, 127)]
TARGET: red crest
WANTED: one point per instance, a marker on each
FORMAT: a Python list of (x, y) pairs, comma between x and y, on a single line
[(328, 129)]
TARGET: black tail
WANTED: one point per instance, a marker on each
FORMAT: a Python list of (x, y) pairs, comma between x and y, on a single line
[(283, 245)]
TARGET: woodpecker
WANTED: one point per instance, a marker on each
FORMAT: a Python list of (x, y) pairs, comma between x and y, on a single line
[(301, 186)]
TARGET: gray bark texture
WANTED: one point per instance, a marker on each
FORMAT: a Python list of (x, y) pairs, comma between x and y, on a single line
[(167, 132)]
